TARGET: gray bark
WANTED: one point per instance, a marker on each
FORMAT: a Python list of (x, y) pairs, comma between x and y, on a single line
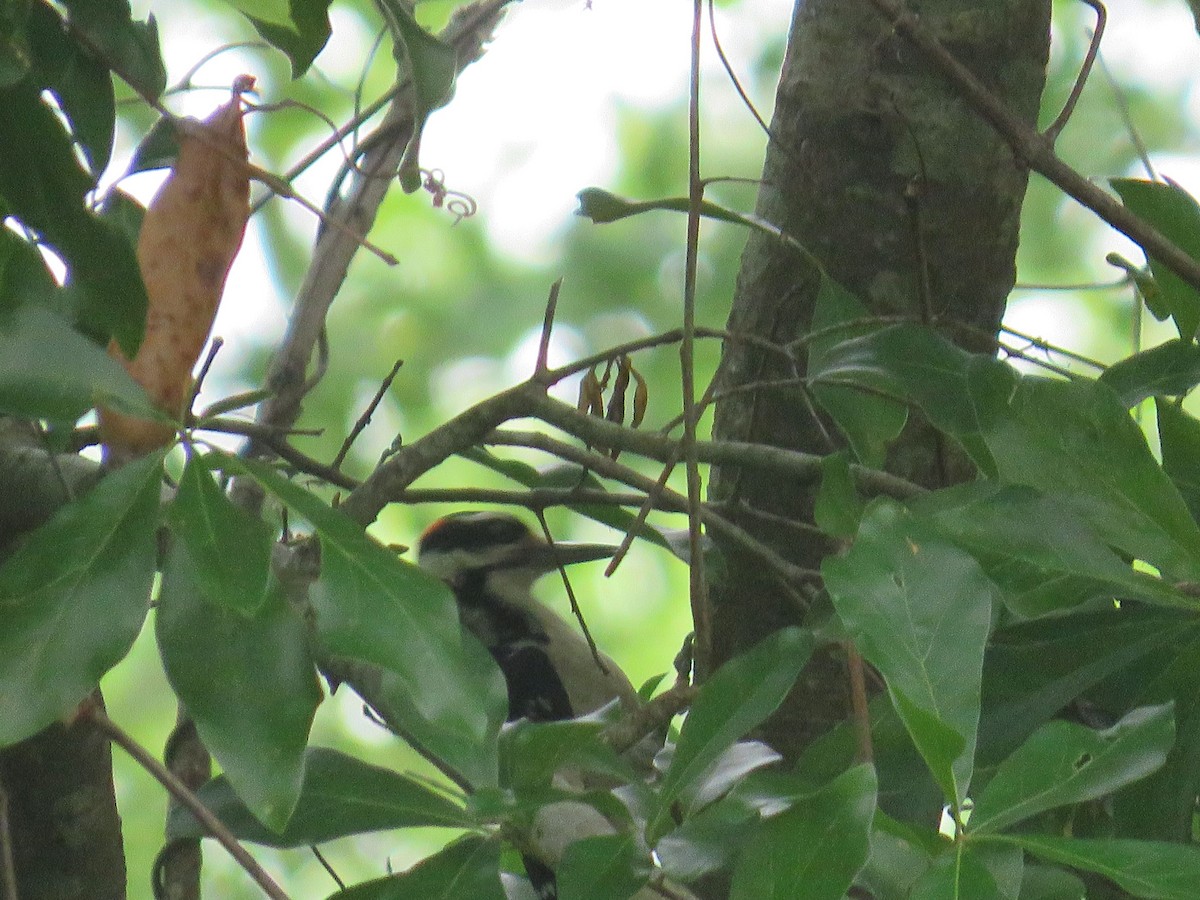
[(887, 176)]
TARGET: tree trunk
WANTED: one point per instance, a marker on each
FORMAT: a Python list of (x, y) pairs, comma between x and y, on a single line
[(911, 202)]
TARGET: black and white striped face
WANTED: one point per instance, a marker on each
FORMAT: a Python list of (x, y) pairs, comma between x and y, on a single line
[(498, 546)]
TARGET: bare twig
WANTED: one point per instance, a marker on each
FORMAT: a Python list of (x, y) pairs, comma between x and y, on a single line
[(381, 155), (858, 704), (1035, 149), (793, 579), (180, 792), (543, 357), (701, 615), (365, 419), (575, 610), (213, 349), (1085, 70)]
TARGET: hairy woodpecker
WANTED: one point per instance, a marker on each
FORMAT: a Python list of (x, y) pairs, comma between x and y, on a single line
[(490, 561)]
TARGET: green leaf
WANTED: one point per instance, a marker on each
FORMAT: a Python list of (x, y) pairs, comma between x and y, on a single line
[(741, 694), (79, 81), (1161, 806), (1149, 869), (1172, 368), (958, 874), (373, 607), (1044, 555), (1075, 441), (468, 869), (708, 840), (73, 597), (230, 548), (1048, 883), (869, 421), (248, 682), (341, 795), (813, 850), (129, 48), (1171, 210), (48, 370), (42, 184), (302, 36), (24, 278), (1064, 763), (961, 393), (605, 867), (897, 858), (432, 70), (531, 753), (1034, 669), (920, 610), (1179, 441)]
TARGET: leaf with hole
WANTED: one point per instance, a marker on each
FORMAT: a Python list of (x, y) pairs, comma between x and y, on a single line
[(1064, 762)]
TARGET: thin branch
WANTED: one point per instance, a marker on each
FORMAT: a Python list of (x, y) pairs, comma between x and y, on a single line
[(792, 578), (698, 585), (180, 792), (571, 599), (1085, 70), (543, 357), (859, 709), (1036, 150), (469, 28), (365, 419)]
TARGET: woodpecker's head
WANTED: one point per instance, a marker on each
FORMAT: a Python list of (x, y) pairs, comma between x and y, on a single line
[(495, 548)]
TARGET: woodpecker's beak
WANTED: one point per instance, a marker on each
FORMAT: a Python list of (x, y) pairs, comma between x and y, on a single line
[(542, 557)]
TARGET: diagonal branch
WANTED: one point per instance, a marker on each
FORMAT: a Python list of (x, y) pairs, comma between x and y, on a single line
[(1037, 150)]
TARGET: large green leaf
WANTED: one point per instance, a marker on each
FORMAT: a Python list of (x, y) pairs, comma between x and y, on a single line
[(1161, 806), (43, 185), (80, 82), (373, 607), (1044, 555), (1171, 210), (958, 874), (961, 393), (603, 867), (741, 694), (468, 869), (1064, 762), (301, 34), (1033, 670), (230, 548), (899, 855), (1179, 441), (1148, 869), (341, 795), (73, 598), (1075, 441), (1172, 368), (813, 850), (919, 609), (248, 682), (870, 421), (130, 48), (48, 370)]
